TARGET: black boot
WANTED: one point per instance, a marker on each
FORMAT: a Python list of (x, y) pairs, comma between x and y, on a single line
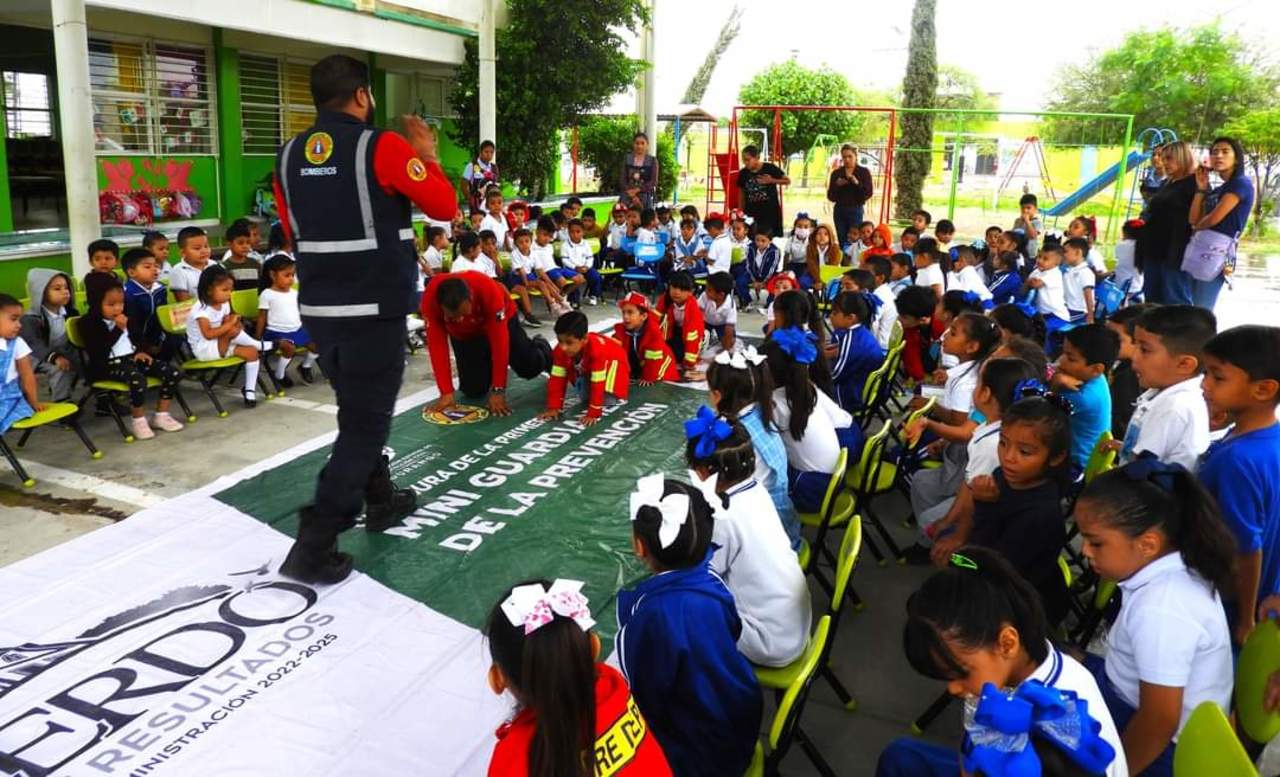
[(386, 505), (312, 559)]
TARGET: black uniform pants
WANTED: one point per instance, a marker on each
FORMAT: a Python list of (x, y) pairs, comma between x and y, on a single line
[(527, 357), (364, 362)]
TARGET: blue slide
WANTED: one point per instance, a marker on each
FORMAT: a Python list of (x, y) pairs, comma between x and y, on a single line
[(1094, 185)]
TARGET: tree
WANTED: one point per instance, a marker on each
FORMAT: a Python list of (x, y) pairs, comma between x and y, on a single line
[(728, 31), (959, 89), (1192, 81), (1259, 133), (919, 90), (789, 83), (556, 61), (604, 142)]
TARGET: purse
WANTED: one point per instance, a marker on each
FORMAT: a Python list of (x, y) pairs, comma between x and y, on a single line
[(1208, 253)]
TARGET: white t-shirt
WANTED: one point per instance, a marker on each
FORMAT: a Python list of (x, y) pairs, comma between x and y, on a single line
[(930, 276), (574, 255), (616, 233), (282, 309), (251, 255), (718, 315), (1126, 270), (1063, 672), (968, 279), (499, 228), (754, 558), (819, 450), (521, 264), (720, 254), (887, 316), (1171, 631), (1050, 299), (646, 236), (433, 257), (962, 380), (1172, 423), (20, 349), (186, 278), (1075, 280), (1095, 261), (984, 451), (481, 263), (123, 346), (214, 315), (544, 257)]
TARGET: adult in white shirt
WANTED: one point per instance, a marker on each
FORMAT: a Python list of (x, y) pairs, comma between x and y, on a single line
[(1172, 423)]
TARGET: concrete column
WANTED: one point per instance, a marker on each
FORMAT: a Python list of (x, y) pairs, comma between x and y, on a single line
[(488, 74), (75, 122), (646, 94)]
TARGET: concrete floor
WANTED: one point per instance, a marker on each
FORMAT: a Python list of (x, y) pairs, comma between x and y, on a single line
[(75, 495)]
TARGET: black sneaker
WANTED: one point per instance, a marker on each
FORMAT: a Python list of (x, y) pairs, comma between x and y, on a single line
[(917, 555), (307, 374), (306, 566), (286, 382), (531, 320), (380, 516), (250, 398)]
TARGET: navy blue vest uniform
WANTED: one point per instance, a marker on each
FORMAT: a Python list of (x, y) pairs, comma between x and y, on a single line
[(354, 243)]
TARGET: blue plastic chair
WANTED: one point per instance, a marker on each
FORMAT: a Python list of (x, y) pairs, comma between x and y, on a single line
[(646, 270), (1110, 297)]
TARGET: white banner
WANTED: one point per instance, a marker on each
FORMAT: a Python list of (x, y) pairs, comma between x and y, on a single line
[(168, 644)]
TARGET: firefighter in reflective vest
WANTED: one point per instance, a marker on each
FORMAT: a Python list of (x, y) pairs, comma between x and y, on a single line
[(344, 192)]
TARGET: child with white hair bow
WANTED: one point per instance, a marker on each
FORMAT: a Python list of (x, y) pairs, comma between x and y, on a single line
[(678, 633)]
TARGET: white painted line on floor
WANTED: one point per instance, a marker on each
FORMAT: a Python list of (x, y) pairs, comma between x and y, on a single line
[(90, 484)]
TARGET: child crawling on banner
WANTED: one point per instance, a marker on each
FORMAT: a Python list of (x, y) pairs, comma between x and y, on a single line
[(595, 364)]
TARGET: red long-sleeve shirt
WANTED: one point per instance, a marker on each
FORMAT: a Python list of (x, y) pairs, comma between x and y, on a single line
[(392, 169), (693, 329), (652, 352), (491, 309), (604, 363), (915, 345)]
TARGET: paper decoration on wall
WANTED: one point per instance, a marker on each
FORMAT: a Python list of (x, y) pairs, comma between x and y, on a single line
[(143, 191)]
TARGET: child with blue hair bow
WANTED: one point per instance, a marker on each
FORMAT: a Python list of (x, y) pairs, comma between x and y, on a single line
[(854, 351)]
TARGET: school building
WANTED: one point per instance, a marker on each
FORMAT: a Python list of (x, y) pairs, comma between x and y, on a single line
[(125, 115)]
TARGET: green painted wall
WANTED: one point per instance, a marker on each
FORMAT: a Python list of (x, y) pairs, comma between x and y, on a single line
[(230, 154), (13, 272)]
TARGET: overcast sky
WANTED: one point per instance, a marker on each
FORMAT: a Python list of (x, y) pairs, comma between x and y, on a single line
[(1014, 47)]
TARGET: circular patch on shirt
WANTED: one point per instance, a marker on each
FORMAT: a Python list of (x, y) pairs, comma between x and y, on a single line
[(416, 170), (458, 414), (319, 148)]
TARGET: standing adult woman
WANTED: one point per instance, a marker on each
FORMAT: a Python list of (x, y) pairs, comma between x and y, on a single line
[(639, 184), (479, 174), (1218, 217), (1163, 238), (849, 189)]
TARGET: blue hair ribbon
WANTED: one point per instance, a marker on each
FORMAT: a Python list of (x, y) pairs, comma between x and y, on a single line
[(1029, 388), (1147, 467), (972, 298), (707, 429), (800, 345), (873, 302), (1027, 309), (1003, 725)]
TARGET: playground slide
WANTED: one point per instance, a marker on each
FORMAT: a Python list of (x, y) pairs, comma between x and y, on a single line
[(1096, 184)]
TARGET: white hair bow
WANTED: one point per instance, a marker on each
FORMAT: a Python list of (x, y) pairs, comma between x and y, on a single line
[(674, 507), (533, 606), (740, 359), (708, 488)]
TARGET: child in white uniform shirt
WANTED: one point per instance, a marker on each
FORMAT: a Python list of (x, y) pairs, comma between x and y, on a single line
[(1152, 527), (719, 313), (720, 250), (967, 277), (753, 555), (883, 289), (280, 321), (470, 258), (1170, 418), (215, 333), (1078, 281), (1047, 280), (1126, 267)]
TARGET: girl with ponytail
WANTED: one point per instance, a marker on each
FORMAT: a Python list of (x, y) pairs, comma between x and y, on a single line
[(1153, 528), (854, 351)]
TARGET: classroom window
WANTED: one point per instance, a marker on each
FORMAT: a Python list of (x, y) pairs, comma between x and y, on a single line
[(27, 107), (275, 101), (151, 97)]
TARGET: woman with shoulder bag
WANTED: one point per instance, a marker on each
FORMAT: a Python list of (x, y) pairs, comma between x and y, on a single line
[(1218, 217)]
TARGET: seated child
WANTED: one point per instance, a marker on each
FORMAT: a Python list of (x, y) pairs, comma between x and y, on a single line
[(1242, 471), (920, 221), (545, 654), (1028, 223), (646, 230), (1170, 418), (111, 355), (797, 250), (578, 259), (279, 320), (514, 283), (944, 233), (495, 220), (1124, 382), (977, 626), (967, 277), (916, 307), (739, 388), (907, 241), (854, 352), (682, 323), (595, 364), (796, 309), (752, 553), (543, 253), (928, 273), (1086, 228), (1078, 281), (1047, 280), (104, 257), (1018, 508), (900, 273), (278, 242), (44, 330), (470, 258), (951, 306), (1005, 283), (881, 243), (536, 270), (1029, 351), (739, 241), (777, 285), (719, 251), (860, 242), (431, 260), (614, 256), (255, 238), (1081, 378), (887, 316), (688, 253), (18, 395), (677, 637), (1020, 319), (719, 311), (157, 245), (143, 295), (215, 333), (822, 251), (193, 248), (1150, 526), (1127, 271), (648, 355), (246, 270), (761, 262)]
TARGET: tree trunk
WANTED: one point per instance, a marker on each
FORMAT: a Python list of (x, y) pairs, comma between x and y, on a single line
[(919, 90)]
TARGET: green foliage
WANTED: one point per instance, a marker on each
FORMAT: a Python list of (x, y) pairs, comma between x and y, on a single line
[(1259, 133), (556, 61), (1192, 81), (958, 88), (919, 90), (789, 83), (604, 143), (698, 84)]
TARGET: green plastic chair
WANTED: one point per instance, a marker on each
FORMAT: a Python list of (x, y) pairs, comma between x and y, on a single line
[(1208, 746), (872, 477), (173, 320), (1101, 459), (835, 511), (785, 729), (65, 412), (1259, 659), (244, 303)]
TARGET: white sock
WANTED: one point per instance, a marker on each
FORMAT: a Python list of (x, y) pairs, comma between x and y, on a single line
[(310, 359), (251, 377), (281, 365)]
